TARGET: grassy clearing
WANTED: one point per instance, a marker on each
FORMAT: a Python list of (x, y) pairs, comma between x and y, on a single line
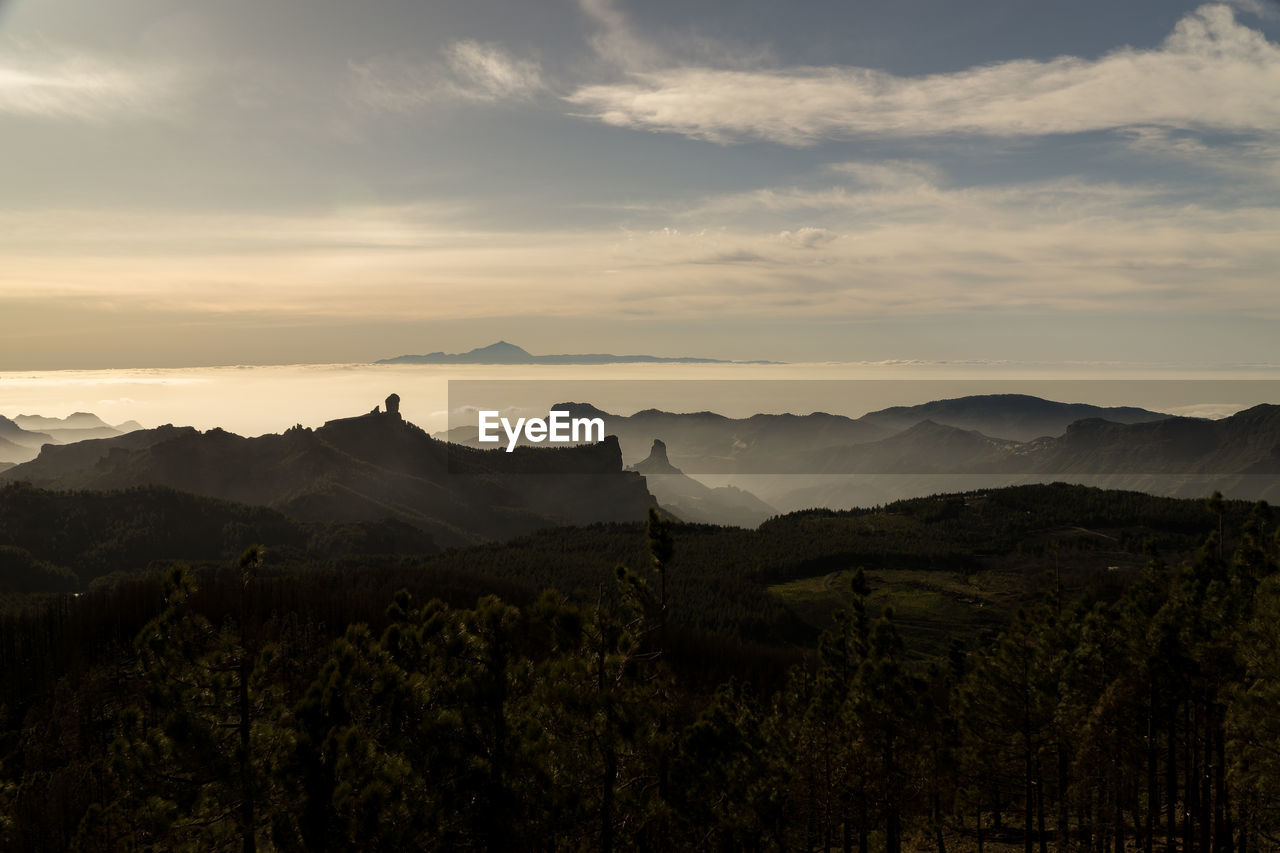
[(930, 607)]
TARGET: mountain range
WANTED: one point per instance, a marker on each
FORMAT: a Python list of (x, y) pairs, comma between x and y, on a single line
[(364, 468), (1175, 457), (710, 443), (505, 353), (22, 436), (378, 466), (793, 462)]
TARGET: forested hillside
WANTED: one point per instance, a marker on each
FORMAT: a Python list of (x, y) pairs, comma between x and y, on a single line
[(1112, 684)]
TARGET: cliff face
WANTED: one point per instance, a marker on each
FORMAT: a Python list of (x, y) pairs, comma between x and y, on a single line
[(691, 500), (364, 468)]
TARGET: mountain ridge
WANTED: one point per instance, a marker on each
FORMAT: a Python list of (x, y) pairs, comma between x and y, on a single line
[(708, 442), (22, 436), (502, 352), (365, 468)]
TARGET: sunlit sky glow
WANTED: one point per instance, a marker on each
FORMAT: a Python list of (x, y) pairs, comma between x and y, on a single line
[(325, 181)]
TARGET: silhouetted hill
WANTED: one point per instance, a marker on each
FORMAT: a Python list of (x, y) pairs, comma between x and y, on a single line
[(18, 444), (926, 448), (360, 469), (16, 433), (505, 353), (691, 500), (1002, 547), (1246, 442), (1012, 416), (836, 461), (76, 420), (60, 541), (12, 453), (22, 436), (1178, 457), (71, 466)]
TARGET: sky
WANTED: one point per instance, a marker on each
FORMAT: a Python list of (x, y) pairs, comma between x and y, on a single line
[(320, 181)]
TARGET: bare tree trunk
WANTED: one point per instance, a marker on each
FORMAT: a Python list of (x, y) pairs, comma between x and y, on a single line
[(864, 818), (1084, 823), (249, 842), (1223, 831), (937, 822), (1190, 784), (1206, 795), (1153, 784), (1044, 842), (980, 839), (1171, 784), (1028, 792), (1062, 835), (610, 775), (1118, 816)]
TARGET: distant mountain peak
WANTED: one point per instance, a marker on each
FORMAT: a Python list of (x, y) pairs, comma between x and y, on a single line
[(502, 347), (581, 410), (1019, 417)]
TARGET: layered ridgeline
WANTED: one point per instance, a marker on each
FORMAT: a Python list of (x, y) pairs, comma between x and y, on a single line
[(21, 437), (366, 468), (705, 442), (1238, 455), (955, 445)]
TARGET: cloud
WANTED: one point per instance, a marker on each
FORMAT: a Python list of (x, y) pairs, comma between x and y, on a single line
[(484, 72), (1254, 158), (1211, 73), (888, 174), (616, 40), (1206, 410), (470, 71), (56, 83), (808, 237)]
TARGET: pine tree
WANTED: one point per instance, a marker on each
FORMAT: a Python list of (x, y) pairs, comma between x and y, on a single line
[(198, 757)]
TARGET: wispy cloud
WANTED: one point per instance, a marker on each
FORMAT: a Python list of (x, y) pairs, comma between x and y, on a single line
[(618, 42), (483, 71), (1254, 158), (1211, 73), (615, 39), (49, 82), (1262, 8), (469, 71)]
